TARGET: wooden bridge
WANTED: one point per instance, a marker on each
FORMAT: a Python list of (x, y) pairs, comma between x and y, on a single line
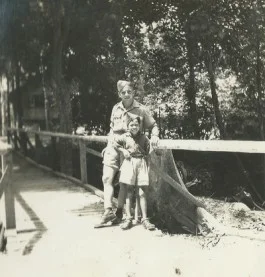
[(53, 230)]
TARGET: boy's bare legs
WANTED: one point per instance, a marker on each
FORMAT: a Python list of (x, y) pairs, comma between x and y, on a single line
[(137, 210), (122, 195), (129, 201), (143, 203)]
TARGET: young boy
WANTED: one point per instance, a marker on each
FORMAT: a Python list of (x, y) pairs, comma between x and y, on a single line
[(134, 171), (112, 158)]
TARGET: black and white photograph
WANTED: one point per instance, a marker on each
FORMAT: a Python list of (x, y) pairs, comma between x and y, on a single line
[(132, 138)]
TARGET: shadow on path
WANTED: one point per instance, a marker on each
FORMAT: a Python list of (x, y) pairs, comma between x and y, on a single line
[(40, 227), (91, 209)]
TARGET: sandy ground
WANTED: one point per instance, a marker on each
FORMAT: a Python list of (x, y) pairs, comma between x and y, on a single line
[(56, 238)]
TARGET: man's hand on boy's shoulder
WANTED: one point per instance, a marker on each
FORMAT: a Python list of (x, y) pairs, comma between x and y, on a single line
[(126, 154), (154, 141)]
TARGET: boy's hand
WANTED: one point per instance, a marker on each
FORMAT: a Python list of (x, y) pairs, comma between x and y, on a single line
[(154, 141), (126, 154)]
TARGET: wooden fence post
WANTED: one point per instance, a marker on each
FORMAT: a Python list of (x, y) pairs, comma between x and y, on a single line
[(15, 141), (9, 193), (38, 147), (23, 139), (83, 163), (9, 137), (54, 154)]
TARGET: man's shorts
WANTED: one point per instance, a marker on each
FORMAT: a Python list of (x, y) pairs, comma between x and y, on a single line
[(112, 157)]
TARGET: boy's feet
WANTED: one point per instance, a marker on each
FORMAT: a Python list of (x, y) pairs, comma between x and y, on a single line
[(148, 225), (127, 224), (137, 220)]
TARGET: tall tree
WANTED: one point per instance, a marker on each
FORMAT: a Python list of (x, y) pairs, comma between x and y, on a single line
[(61, 12)]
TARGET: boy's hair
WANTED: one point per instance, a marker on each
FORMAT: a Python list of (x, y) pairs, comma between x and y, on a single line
[(130, 119)]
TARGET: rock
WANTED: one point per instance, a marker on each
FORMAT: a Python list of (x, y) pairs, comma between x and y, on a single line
[(239, 207)]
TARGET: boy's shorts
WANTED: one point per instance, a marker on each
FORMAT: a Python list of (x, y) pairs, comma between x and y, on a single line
[(111, 157), (134, 172)]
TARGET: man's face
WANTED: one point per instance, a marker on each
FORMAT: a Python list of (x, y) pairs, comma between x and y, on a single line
[(127, 94), (134, 127)]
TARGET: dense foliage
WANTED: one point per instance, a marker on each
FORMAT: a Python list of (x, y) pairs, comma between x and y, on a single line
[(198, 64)]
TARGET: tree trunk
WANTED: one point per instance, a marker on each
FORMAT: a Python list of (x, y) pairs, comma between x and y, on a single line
[(12, 103), (260, 109), (217, 112), (191, 90), (4, 114), (169, 201), (61, 20), (18, 96), (118, 41), (44, 90), (8, 101)]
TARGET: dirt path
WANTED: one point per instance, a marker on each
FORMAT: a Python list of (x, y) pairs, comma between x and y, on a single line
[(63, 242)]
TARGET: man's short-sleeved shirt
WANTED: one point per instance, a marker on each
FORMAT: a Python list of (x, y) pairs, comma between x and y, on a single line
[(120, 117)]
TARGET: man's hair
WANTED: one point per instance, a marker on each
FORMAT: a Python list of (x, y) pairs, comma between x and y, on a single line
[(121, 84)]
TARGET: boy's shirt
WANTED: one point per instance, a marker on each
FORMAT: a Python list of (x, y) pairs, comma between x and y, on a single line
[(119, 118), (137, 146)]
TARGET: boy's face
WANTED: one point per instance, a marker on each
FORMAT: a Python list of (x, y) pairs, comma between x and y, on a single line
[(127, 94), (134, 127)]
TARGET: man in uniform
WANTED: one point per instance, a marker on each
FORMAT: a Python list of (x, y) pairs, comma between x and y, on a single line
[(121, 112)]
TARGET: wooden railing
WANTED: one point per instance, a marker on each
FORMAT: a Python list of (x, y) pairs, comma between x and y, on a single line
[(23, 141), (6, 188), (188, 144), (30, 142), (234, 146)]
